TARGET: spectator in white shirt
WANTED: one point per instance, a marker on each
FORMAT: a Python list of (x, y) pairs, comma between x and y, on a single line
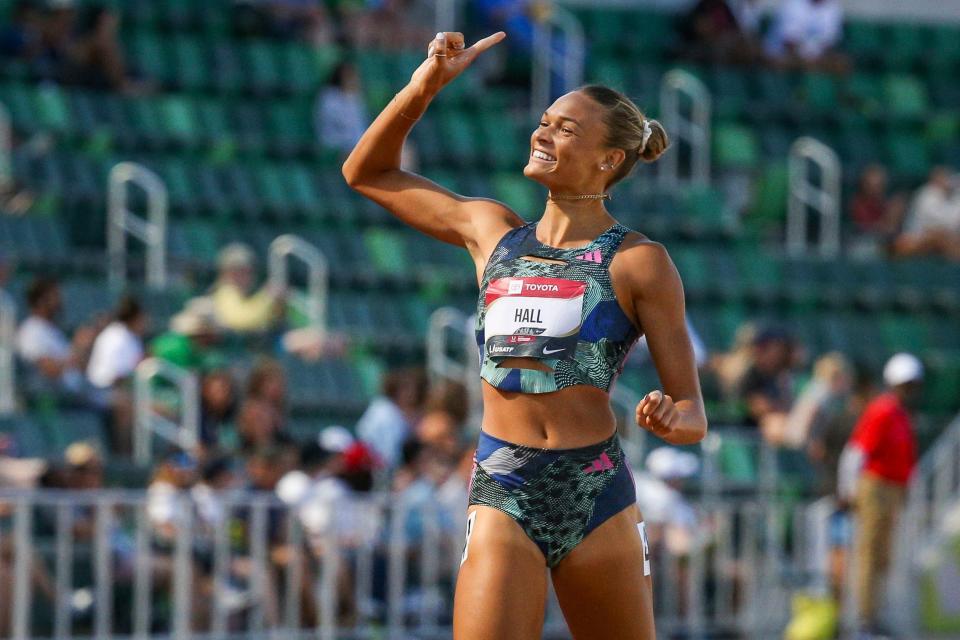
[(805, 34), (340, 117), (52, 359), (119, 348), (933, 224)]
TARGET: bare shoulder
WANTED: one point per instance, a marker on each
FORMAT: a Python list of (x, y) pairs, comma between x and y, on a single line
[(643, 264)]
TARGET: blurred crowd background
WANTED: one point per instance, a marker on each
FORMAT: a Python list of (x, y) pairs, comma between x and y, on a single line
[(246, 108)]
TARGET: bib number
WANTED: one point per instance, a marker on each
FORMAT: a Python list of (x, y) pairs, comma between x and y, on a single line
[(533, 317)]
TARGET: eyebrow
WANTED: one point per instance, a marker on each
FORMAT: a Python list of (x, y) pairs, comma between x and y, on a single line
[(573, 120)]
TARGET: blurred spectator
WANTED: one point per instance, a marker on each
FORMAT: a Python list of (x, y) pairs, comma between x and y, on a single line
[(118, 349), (190, 340), (723, 31), (262, 415), (96, 58), (451, 398), (218, 404), (805, 34), (395, 24), (875, 470), (767, 386), (440, 432), (340, 117), (933, 225), (236, 306), (22, 37), (821, 400), (388, 420), (730, 367), (875, 213), (284, 19), (45, 347)]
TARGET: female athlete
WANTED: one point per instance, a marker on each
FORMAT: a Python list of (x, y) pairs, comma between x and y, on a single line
[(561, 302)]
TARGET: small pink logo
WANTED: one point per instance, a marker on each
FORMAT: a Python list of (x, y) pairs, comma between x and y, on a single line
[(591, 256), (602, 463)]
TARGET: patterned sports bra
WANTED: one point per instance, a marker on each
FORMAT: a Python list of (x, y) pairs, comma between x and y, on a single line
[(564, 313)]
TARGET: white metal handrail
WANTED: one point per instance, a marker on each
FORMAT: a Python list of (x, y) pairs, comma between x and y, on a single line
[(152, 230), (8, 328), (318, 283), (331, 544), (6, 148), (465, 370), (547, 60), (805, 194), (147, 423), (692, 129)]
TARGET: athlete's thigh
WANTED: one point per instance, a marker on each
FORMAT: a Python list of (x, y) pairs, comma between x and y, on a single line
[(502, 584), (601, 585)]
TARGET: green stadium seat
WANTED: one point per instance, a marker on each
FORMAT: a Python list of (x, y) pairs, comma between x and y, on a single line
[(864, 41), (190, 63), (821, 93), (387, 250), (864, 91), (902, 332), (518, 193), (905, 97), (461, 143), (908, 46), (759, 273), (735, 147), (770, 198), (907, 155)]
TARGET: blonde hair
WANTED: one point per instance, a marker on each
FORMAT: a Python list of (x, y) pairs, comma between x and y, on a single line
[(642, 138)]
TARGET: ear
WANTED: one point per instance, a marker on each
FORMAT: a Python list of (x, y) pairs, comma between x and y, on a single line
[(614, 157)]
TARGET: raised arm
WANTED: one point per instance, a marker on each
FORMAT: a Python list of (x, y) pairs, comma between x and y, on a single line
[(675, 414), (373, 167)]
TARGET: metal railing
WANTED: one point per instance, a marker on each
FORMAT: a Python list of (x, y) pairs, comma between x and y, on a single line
[(318, 279), (207, 564), (553, 56), (8, 369), (805, 193), (693, 130), (149, 423), (152, 230), (452, 354), (6, 148)]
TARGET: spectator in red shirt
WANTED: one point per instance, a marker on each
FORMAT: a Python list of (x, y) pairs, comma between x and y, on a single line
[(876, 212), (875, 469)]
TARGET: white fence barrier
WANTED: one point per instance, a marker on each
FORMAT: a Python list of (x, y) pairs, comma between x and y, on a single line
[(203, 564)]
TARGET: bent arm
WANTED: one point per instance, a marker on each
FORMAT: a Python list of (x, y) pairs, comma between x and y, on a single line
[(373, 167), (659, 307), (373, 170)]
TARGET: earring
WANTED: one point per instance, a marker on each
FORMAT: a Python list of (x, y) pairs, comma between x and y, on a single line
[(604, 167)]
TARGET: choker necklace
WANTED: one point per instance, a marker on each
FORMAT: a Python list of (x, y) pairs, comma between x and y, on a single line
[(589, 196)]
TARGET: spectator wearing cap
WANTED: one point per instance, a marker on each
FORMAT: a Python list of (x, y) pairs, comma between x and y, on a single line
[(237, 307), (767, 387), (875, 468), (190, 340)]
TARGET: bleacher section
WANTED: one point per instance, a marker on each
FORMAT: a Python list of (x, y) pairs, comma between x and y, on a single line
[(231, 133)]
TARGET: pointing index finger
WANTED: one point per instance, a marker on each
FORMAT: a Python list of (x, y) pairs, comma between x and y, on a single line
[(485, 43)]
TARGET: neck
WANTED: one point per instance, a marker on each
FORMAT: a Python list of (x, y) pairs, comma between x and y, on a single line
[(573, 221)]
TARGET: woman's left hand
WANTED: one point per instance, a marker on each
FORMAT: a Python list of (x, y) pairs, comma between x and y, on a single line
[(657, 414)]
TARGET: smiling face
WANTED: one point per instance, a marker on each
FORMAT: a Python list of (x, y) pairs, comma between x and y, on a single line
[(567, 149)]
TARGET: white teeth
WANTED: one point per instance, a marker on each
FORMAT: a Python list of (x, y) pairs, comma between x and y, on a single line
[(540, 155)]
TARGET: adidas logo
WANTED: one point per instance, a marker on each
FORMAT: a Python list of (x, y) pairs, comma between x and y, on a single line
[(602, 463), (591, 256)]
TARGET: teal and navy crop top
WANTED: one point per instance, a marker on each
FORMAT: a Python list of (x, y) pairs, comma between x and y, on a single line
[(564, 313)]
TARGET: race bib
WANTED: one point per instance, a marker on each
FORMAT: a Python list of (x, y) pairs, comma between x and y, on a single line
[(533, 317)]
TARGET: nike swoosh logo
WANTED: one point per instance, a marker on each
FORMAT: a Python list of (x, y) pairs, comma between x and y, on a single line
[(547, 352)]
